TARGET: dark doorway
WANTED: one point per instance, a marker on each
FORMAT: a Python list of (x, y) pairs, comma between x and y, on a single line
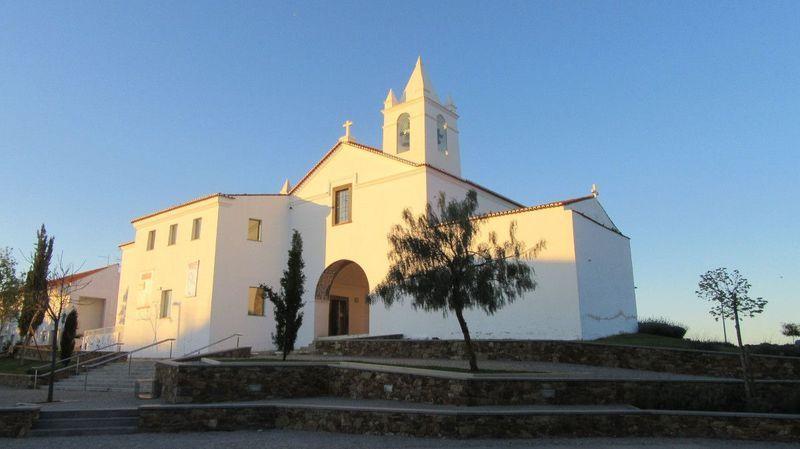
[(337, 321)]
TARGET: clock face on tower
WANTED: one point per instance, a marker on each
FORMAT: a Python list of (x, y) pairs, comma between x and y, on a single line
[(441, 134)]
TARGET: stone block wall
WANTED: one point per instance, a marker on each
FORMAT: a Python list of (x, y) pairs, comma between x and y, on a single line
[(638, 423), (704, 363), (193, 382), (16, 422)]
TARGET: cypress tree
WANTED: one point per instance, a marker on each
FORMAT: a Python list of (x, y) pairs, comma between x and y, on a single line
[(68, 336), (288, 302), (35, 293)]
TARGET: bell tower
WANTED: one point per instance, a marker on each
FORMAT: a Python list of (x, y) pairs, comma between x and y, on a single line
[(419, 128)]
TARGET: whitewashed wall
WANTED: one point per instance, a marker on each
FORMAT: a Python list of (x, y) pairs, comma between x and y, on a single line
[(605, 280)]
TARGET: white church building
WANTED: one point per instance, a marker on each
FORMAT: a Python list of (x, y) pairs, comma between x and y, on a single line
[(192, 272)]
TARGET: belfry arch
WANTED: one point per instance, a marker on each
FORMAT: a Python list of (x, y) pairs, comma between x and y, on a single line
[(340, 301)]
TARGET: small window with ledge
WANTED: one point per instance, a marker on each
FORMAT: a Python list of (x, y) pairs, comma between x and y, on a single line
[(196, 225), (151, 240), (254, 229), (342, 204), (255, 301), (166, 303), (173, 234)]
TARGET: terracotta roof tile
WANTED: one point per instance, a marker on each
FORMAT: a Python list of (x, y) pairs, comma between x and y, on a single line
[(78, 276)]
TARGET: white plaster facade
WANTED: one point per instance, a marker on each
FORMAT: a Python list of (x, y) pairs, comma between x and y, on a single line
[(585, 277)]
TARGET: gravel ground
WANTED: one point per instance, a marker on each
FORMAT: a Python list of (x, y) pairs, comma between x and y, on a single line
[(292, 439)]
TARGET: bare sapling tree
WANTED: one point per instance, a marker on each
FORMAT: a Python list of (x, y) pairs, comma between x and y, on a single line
[(729, 294), (63, 285), (440, 261)]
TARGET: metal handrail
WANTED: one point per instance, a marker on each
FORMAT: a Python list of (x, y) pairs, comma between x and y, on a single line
[(77, 364), (215, 343), (119, 356)]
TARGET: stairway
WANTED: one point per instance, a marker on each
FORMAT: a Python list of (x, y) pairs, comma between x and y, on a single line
[(85, 422), (111, 377)]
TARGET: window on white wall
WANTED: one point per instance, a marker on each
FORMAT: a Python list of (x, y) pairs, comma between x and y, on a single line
[(151, 240), (342, 204), (255, 301), (196, 224), (166, 303), (254, 230), (403, 133), (173, 234)]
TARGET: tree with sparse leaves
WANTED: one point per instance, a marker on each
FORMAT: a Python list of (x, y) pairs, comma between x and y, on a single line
[(791, 329), (289, 300), (729, 293), (10, 288), (68, 336), (437, 260)]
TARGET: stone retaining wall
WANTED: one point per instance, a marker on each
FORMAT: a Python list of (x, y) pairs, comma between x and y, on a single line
[(680, 361), (199, 383), (16, 422), (16, 380), (641, 423)]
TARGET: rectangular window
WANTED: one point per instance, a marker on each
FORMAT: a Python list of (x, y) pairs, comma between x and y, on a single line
[(255, 301), (196, 228), (151, 240), (166, 303), (342, 200), (254, 230), (173, 234)]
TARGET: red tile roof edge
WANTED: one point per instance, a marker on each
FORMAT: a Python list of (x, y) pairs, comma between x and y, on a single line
[(178, 206), (78, 276), (532, 208), (398, 159), (615, 231)]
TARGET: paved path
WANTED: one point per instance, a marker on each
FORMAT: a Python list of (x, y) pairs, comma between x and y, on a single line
[(543, 369), (278, 439), (69, 400)]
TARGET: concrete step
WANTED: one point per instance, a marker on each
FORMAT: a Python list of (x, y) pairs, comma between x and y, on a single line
[(91, 413), (83, 423), (79, 432), (86, 422)]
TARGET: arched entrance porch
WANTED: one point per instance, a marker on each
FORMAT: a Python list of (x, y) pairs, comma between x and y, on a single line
[(340, 301)]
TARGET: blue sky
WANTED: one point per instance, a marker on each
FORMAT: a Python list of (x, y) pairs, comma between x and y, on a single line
[(686, 114)]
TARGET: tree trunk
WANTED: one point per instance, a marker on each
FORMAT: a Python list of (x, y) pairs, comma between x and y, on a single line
[(748, 387), (473, 361), (53, 358)]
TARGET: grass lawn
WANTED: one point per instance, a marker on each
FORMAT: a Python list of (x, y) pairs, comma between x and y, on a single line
[(665, 342), (12, 366)]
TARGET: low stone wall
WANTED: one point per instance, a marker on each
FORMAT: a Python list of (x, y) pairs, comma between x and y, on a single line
[(680, 361), (16, 422), (195, 382), (430, 423), (199, 383), (16, 380)]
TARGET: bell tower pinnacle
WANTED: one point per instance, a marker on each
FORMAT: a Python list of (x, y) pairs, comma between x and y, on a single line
[(419, 128)]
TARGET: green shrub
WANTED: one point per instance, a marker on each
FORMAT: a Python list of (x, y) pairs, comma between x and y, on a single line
[(662, 327)]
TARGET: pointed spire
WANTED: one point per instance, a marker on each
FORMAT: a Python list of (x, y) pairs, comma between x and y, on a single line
[(286, 187), (390, 100), (450, 105), (419, 85), (595, 191)]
